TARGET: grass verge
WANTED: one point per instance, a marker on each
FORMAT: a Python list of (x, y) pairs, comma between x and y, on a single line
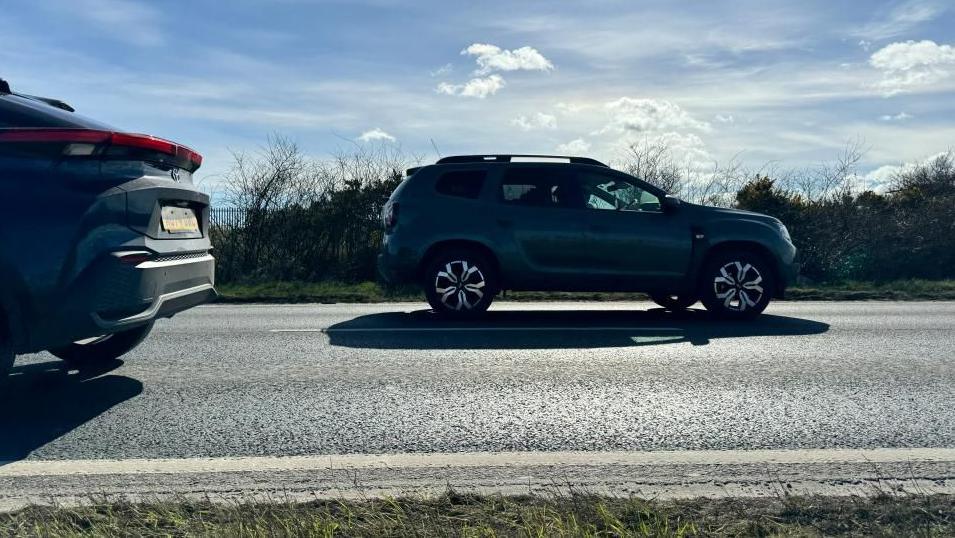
[(455, 514), (370, 292)]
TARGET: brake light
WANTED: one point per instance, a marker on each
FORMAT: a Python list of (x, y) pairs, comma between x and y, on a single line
[(156, 144), (78, 141), (390, 214)]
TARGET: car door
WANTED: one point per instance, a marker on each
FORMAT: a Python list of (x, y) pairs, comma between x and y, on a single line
[(544, 244), (633, 243)]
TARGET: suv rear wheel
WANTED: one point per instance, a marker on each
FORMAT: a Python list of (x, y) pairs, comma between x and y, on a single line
[(736, 284), (459, 283), (102, 349)]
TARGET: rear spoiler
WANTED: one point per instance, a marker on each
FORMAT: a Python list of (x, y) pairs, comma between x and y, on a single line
[(52, 102), (5, 89)]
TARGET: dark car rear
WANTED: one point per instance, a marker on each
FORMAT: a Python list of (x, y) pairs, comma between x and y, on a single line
[(103, 232)]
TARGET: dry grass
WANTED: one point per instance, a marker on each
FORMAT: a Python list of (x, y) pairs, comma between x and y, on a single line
[(455, 514)]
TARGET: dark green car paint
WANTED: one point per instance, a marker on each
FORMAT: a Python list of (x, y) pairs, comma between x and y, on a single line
[(549, 248)]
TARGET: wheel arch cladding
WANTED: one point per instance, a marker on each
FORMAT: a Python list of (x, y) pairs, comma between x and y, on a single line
[(752, 247), (466, 244)]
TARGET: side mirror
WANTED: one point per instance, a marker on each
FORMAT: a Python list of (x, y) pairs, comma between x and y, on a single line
[(670, 203)]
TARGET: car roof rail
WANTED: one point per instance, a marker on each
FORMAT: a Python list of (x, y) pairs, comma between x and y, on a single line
[(457, 159)]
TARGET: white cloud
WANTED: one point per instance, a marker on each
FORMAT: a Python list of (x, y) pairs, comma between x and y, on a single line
[(572, 108), (577, 147), (491, 58), (901, 116), (476, 87), (688, 149), (880, 179), (375, 134), (538, 120), (910, 65), (443, 70), (727, 118), (900, 19), (628, 114)]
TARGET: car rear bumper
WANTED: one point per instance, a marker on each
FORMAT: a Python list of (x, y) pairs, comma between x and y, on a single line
[(176, 284), (396, 264), (111, 297)]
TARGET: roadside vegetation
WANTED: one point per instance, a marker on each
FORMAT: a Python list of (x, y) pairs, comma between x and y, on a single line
[(470, 515), (297, 227)]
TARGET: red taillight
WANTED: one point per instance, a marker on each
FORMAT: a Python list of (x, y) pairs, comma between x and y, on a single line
[(90, 136), (156, 144)]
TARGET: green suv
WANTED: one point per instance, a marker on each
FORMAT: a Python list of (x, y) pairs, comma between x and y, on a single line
[(469, 226)]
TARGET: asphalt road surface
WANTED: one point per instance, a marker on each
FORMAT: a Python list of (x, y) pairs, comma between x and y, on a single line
[(309, 380)]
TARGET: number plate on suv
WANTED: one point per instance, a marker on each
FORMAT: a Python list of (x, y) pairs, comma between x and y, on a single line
[(179, 219)]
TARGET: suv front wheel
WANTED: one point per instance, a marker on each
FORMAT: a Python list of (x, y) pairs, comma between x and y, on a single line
[(736, 284), (459, 283)]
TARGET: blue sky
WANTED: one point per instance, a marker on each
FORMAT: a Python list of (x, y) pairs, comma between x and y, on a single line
[(762, 81)]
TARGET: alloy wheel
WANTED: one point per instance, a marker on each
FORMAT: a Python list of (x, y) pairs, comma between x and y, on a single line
[(460, 285), (739, 286)]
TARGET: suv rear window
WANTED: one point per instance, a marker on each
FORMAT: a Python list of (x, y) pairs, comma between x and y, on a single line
[(462, 183)]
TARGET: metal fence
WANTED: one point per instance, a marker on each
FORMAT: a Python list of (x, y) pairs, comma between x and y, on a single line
[(227, 217)]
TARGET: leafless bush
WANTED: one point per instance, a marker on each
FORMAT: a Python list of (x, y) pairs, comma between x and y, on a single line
[(653, 162), (302, 218), (276, 177)]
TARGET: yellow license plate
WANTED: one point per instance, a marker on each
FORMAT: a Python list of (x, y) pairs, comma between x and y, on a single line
[(179, 220)]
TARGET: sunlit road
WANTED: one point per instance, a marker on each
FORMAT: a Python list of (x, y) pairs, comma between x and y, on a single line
[(264, 380), (280, 380)]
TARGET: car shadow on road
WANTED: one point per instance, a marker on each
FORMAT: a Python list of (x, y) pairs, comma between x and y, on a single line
[(44, 401), (556, 329)]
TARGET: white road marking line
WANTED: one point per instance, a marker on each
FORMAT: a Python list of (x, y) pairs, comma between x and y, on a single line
[(26, 468), (469, 329)]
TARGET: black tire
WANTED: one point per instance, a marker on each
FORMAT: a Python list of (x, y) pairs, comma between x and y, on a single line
[(450, 295), (736, 284), (673, 302), (104, 349)]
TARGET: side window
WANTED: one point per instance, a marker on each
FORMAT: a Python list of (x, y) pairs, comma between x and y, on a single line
[(532, 186), (607, 192), (461, 183)]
